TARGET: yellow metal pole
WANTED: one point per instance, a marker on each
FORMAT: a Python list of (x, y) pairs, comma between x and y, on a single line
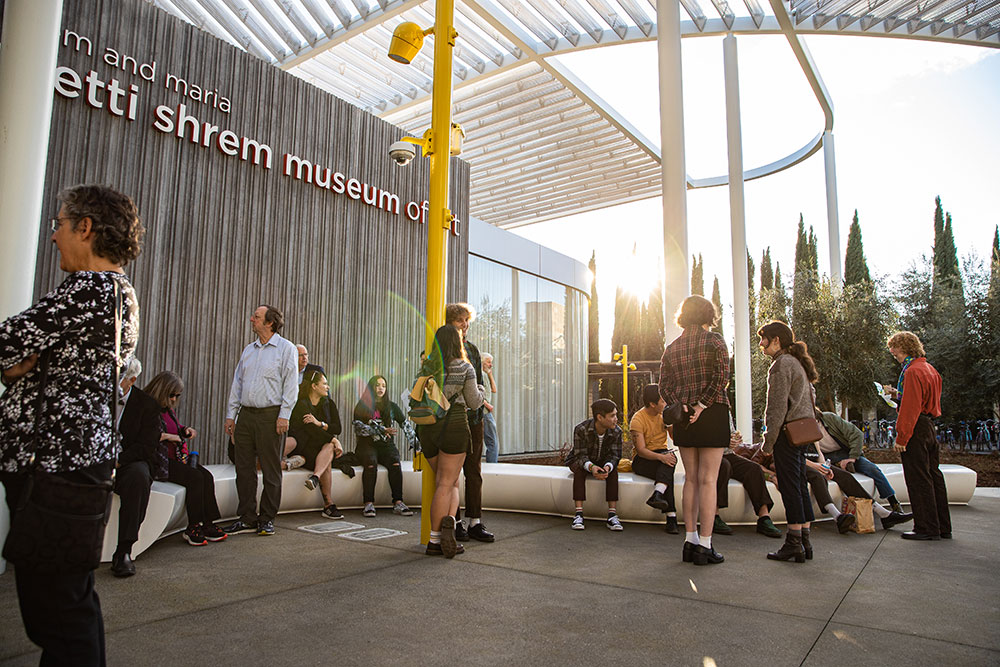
[(625, 385), (439, 220)]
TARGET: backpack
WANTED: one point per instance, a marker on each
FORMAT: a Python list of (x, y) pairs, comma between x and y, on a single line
[(428, 404)]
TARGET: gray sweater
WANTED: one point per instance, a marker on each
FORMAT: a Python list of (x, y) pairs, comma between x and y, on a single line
[(461, 379), (789, 397)]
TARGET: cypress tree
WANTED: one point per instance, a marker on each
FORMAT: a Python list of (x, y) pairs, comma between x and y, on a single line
[(780, 296), (593, 339), (697, 275), (627, 321), (717, 300), (938, 233), (855, 265), (813, 254), (805, 282), (766, 272), (948, 271)]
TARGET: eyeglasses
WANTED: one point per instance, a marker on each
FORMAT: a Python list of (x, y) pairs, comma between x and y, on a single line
[(54, 223)]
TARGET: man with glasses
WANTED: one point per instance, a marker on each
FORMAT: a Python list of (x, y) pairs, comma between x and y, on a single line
[(261, 399)]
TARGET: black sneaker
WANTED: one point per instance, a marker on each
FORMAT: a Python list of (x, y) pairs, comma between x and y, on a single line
[(239, 527), (312, 482), (266, 528), (331, 512), (671, 526), (195, 538)]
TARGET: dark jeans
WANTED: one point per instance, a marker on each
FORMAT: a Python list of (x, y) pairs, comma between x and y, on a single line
[(61, 613), (820, 486), (580, 484), (658, 472), (790, 467), (747, 473), (371, 454), (132, 482), (199, 498), (924, 481), (473, 469), (256, 438)]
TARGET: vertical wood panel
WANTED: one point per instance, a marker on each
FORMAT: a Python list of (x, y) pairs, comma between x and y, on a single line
[(225, 235)]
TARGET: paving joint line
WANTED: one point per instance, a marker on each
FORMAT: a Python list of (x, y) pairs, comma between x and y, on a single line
[(826, 625)]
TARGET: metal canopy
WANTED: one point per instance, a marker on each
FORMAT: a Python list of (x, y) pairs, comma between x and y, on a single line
[(541, 144)]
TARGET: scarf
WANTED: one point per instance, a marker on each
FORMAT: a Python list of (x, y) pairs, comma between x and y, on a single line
[(899, 383)]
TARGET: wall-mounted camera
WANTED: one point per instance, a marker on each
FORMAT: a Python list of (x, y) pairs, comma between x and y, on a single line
[(402, 153)]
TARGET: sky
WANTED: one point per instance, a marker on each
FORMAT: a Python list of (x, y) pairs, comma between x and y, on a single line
[(912, 120)]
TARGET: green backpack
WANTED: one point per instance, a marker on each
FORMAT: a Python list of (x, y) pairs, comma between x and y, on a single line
[(428, 404)]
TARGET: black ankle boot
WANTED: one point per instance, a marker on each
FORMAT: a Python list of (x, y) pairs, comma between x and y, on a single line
[(791, 549), (807, 546)]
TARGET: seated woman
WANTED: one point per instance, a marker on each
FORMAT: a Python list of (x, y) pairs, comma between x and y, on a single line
[(373, 418), (315, 425), (199, 485)]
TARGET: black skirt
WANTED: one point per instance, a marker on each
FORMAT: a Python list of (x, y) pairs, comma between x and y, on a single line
[(711, 429)]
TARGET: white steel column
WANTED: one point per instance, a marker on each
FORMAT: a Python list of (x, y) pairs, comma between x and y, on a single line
[(676, 284), (832, 213), (27, 75), (737, 218)]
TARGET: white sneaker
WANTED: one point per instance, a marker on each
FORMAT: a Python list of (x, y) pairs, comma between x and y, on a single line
[(578, 522), (369, 509), (614, 523), (293, 462)]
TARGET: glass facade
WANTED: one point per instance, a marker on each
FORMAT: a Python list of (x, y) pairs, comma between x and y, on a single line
[(536, 330)]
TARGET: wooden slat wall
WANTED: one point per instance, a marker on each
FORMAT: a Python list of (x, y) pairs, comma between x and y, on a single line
[(224, 235)]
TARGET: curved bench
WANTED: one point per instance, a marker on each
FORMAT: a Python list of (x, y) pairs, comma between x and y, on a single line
[(506, 487)]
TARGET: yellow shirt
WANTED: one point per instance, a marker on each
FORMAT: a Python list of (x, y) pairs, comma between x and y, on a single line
[(654, 433)]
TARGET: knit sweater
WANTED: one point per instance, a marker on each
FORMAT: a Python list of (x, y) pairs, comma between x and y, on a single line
[(789, 397), (461, 380)]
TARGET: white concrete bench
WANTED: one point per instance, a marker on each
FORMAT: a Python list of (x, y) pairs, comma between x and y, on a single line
[(506, 487)]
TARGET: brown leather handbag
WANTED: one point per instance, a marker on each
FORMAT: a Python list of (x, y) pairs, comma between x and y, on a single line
[(805, 431)]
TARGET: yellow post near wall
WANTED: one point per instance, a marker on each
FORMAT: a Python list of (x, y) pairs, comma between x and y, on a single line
[(439, 217), (622, 359)]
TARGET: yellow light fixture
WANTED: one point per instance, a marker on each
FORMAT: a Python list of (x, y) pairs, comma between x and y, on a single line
[(407, 39)]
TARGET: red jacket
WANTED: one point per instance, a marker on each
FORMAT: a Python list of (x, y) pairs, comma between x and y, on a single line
[(921, 395)]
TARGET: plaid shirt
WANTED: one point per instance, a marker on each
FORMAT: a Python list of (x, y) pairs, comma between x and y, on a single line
[(585, 447), (695, 369)]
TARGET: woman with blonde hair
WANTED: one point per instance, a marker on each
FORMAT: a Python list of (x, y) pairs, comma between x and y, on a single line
[(694, 372)]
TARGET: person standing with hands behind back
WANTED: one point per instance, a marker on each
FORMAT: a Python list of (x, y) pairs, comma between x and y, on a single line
[(919, 392), (694, 371)]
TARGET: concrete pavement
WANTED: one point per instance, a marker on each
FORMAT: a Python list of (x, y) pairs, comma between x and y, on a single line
[(545, 595)]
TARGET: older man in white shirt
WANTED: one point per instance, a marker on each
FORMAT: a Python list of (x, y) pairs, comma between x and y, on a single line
[(261, 399)]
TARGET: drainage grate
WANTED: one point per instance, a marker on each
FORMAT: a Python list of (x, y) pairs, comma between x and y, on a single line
[(370, 534), (331, 527)]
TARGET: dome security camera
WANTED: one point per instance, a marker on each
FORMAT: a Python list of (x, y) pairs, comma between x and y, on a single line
[(402, 153)]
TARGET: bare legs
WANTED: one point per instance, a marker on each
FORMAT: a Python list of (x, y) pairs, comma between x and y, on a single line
[(447, 468), (322, 470), (701, 472)]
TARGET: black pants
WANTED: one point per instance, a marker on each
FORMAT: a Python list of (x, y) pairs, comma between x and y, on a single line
[(790, 467), (473, 469), (747, 473), (580, 477), (659, 472), (257, 438), (372, 454), (199, 496), (924, 481), (821, 487), (132, 482), (61, 613)]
